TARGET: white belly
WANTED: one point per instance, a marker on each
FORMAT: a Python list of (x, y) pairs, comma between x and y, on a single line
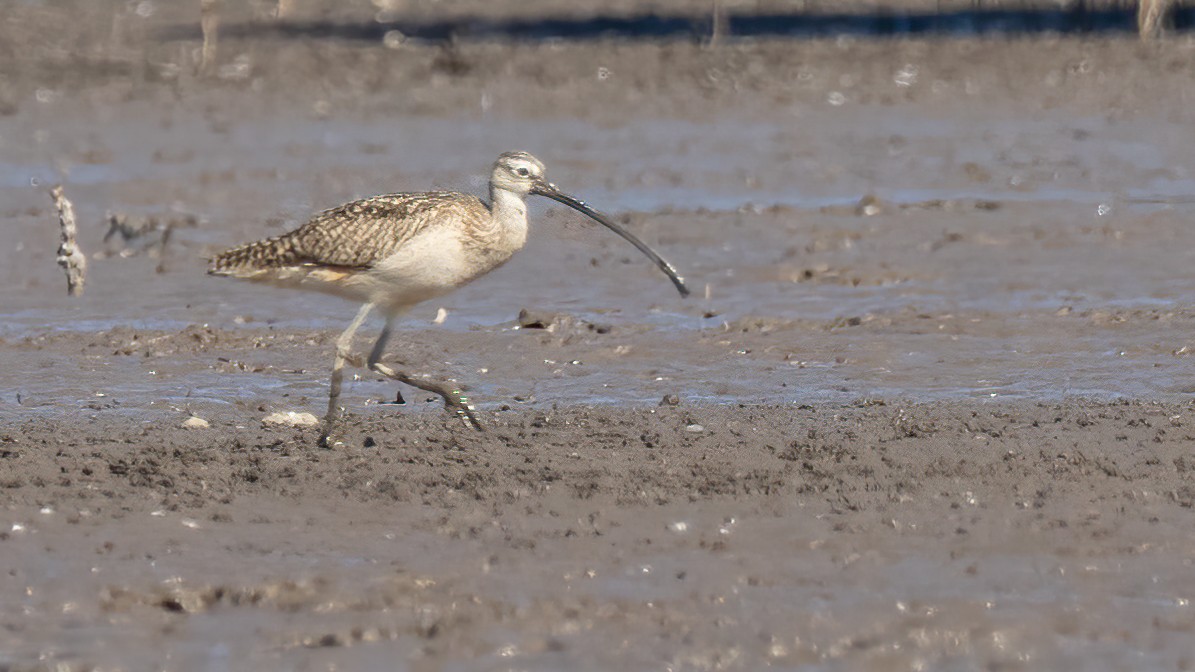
[(427, 266)]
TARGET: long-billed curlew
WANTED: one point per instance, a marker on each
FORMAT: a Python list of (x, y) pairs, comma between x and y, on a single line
[(397, 250)]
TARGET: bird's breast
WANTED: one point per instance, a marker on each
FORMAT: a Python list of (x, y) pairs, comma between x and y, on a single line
[(429, 265)]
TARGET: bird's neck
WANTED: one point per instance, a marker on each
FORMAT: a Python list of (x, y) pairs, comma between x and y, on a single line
[(509, 211)]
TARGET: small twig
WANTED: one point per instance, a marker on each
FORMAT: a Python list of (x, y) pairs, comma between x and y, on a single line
[(70, 257), (132, 228), (128, 228), (166, 234), (209, 23), (717, 24), (1152, 16)]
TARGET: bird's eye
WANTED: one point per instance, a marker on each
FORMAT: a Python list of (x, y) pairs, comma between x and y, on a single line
[(523, 172)]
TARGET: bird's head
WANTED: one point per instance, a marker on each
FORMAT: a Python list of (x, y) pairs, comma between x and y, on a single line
[(519, 173)]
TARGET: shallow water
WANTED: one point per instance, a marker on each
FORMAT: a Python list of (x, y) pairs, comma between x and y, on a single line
[(1072, 232)]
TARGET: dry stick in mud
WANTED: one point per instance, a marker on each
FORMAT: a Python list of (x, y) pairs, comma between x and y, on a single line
[(283, 9), (717, 24), (1151, 17), (209, 23), (394, 251), (70, 257)]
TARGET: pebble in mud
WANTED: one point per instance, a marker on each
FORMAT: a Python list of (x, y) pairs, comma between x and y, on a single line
[(195, 422), (290, 419)]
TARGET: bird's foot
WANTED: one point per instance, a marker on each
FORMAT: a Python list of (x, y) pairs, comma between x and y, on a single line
[(454, 399), (459, 403)]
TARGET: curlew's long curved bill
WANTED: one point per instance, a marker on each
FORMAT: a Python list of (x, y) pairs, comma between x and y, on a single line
[(549, 190)]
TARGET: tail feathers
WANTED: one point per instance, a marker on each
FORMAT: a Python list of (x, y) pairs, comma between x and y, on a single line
[(252, 258)]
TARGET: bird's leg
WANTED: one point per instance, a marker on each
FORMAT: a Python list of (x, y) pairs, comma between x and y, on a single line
[(343, 353), (454, 400)]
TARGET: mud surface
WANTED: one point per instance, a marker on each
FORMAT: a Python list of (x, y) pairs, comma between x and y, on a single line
[(928, 408)]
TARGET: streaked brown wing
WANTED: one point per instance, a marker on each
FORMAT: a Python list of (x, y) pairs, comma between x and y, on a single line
[(361, 233), (355, 235)]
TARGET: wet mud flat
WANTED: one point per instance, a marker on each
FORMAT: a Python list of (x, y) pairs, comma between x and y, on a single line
[(933, 393), (1013, 535)]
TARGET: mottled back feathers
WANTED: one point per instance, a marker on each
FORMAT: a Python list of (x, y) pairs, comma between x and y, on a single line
[(356, 235)]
